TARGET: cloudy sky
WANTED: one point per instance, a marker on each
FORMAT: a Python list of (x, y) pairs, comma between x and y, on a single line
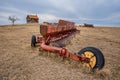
[(97, 12)]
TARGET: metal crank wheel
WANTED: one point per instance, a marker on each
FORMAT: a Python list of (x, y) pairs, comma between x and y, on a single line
[(93, 58)]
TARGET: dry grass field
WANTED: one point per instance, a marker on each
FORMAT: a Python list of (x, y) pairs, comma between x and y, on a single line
[(20, 61)]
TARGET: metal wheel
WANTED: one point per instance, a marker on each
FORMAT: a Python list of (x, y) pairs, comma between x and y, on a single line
[(94, 58), (33, 41)]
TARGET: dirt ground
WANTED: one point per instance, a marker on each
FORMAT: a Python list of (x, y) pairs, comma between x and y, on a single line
[(19, 61)]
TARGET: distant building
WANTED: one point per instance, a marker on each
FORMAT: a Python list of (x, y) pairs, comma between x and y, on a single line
[(88, 25), (32, 19)]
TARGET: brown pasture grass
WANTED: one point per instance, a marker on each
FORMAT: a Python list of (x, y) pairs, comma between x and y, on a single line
[(20, 61)]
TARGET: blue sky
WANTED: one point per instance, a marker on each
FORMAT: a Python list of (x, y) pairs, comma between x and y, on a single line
[(97, 12)]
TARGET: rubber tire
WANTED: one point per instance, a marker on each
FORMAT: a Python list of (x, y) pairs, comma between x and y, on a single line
[(33, 41), (100, 61)]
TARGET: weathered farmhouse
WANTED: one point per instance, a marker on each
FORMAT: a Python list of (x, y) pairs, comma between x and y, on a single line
[(32, 19)]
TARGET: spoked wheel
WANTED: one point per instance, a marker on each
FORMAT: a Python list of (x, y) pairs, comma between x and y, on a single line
[(94, 58), (33, 41)]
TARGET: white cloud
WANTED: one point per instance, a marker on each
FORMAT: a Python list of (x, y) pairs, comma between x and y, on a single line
[(47, 17), (66, 5), (115, 17), (60, 5), (10, 11), (73, 10)]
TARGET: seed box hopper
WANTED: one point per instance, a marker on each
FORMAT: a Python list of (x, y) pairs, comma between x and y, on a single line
[(54, 37)]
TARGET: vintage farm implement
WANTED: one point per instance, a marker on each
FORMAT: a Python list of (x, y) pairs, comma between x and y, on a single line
[(54, 37)]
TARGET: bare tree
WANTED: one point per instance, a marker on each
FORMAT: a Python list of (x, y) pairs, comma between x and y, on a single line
[(13, 19)]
